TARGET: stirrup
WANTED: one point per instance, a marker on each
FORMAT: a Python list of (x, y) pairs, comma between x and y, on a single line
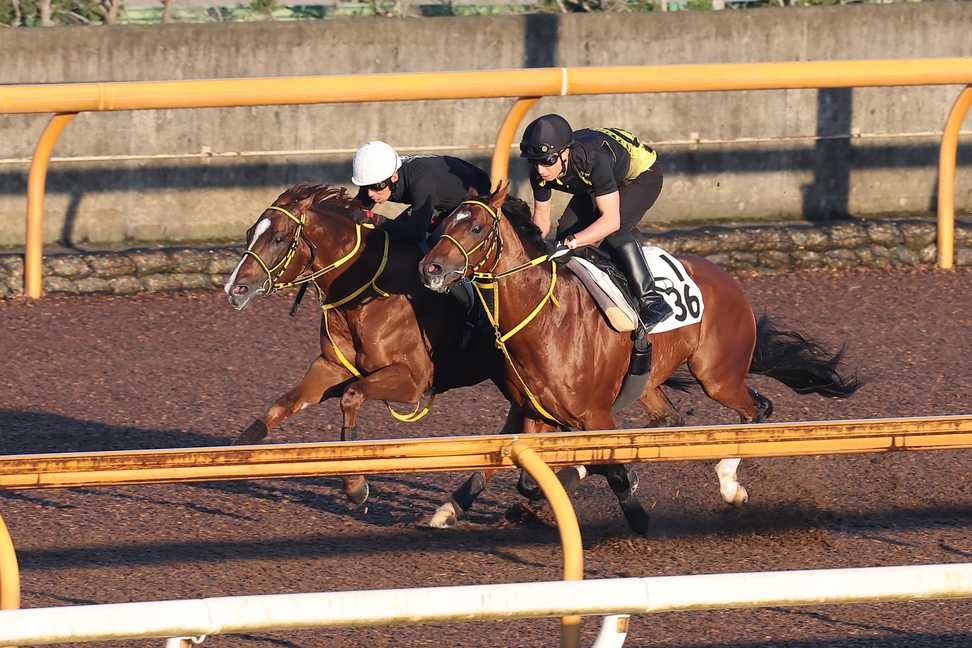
[(654, 313)]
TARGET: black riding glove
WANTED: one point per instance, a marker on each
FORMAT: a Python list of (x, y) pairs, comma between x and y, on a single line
[(558, 252)]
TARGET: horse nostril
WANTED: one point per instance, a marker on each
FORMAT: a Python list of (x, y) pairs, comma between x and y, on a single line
[(240, 290), (433, 269)]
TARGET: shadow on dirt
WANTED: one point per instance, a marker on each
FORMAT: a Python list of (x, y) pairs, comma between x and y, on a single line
[(897, 639)]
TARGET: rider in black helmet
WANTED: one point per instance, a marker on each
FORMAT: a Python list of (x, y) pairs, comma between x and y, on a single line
[(614, 181)]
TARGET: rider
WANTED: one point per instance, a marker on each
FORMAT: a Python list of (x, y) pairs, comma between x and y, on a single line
[(614, 181), (432, 186)]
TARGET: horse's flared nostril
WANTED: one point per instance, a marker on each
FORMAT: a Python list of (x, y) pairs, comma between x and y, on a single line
[(239, 290), (433, 269)]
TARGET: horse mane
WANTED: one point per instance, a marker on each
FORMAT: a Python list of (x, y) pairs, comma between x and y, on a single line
[(518, 213), (334, 197)]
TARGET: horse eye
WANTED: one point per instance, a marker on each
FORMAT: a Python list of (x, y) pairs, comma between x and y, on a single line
[(477, 229), (278, 238)]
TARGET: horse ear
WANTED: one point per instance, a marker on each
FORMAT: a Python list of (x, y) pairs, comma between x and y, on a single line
[(306, 203), (497, 197)]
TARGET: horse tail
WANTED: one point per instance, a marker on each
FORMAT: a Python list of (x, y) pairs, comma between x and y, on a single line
[(799, 362)]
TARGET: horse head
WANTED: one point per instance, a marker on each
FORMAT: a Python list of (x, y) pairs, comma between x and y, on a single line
[(470, 242), (285, 246)]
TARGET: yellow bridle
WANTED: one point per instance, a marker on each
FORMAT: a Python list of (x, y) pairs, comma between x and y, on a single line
[(489, 280), (274, 284)]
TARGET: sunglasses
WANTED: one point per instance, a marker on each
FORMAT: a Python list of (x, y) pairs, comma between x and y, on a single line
[(379, 186), (548, 161)]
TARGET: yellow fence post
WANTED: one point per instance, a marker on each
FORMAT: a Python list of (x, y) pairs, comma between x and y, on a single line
[(36, 182), (9, 572), (567, 525), (946, 179), (500, 169)]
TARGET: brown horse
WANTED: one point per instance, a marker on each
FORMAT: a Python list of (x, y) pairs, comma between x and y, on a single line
[(383, 335), (565, 364)]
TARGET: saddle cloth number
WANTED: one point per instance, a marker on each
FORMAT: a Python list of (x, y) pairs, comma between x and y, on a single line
[(673, 282)]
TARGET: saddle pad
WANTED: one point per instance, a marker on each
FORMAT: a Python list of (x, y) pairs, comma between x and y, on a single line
[(606, 293), (671, 280)]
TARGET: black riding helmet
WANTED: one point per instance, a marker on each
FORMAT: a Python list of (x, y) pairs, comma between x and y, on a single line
[(545, 138)]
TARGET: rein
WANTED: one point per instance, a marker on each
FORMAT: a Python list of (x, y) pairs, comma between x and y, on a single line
[(489, 280), (274, 284)]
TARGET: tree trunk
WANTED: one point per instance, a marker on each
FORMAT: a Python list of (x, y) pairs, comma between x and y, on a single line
[(45, 13), (112, 14), (18, 17)]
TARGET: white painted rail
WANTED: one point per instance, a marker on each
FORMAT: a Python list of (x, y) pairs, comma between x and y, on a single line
[(236, 614)]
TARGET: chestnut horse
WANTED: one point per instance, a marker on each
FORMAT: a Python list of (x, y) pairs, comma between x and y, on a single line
[(565, 364), (383, 335)]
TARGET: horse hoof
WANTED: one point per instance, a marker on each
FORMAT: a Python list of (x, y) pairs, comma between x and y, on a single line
[(529, 514), (741, 497), (528, 488), (444, 517), (257, 432), (638, 519)]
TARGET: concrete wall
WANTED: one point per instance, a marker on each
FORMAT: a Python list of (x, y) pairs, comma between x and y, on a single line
[(779, 155)]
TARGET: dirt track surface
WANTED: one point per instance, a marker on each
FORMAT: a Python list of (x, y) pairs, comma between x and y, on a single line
[(180, 370)]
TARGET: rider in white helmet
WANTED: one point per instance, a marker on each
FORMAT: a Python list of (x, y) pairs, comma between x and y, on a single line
[(431, 186)]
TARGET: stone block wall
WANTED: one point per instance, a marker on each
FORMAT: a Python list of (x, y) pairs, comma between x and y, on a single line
[(840, 245)]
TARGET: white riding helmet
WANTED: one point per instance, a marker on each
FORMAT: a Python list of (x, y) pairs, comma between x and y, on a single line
[(374, 162)]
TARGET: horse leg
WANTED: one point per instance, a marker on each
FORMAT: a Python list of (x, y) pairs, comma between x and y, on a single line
[(394, 383), (622, 478), (461, 500), (570, 477), (732, 491), (320, 377), (659, 408), (449, 513), (727, 385), (623, 481), (666, 358)]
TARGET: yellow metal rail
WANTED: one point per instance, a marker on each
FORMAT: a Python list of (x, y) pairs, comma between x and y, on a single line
[(478, 84), (68, 98), (10, 572), (946, 179), (452, 454), (534, 453), (567, 525)]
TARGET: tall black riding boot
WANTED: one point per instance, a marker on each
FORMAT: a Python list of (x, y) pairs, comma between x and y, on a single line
[(652, 307)]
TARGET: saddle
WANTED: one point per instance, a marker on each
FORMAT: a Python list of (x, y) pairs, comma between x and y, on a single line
[(609, 288)]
